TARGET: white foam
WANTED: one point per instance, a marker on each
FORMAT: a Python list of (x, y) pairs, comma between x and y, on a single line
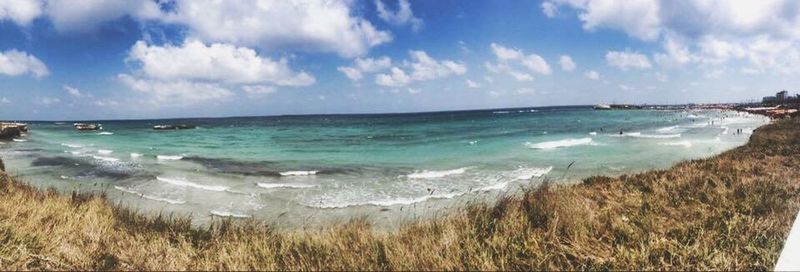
[(72, 145), (426, 174), (593, 133), (183, 183), (559, 143), (649, 136), (136, 155), (170, 201), (390, 202), (299, 173), (19, 140), (473, 142), (686, 144), (667, 129), (108, 159), (500, 112), (283, 185), (724, 130), (105, 133), (104, 151), (169, 157), (529, 173), (493, 187), (229, 214)]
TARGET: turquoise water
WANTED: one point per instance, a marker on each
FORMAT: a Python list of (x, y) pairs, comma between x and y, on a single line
[(306, 170)]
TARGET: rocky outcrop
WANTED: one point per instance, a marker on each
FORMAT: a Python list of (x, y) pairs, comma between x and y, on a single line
[(2, 166), (10, 131)]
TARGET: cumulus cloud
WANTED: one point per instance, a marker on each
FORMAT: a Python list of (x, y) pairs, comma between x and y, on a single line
[(422, 67), (177, 92), (194, 60), (566, 63), (363, 66), (67, 15), (509, 58), (21, 12), (310, 25), (592, 74), (627, 60), (258, 90), (403, 16), (47, 101), (15, 63), (765, 34)]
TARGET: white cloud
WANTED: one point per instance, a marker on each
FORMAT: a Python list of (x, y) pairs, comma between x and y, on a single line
[(472, 84), (47, 101), (626, 60), (4, 100), (537, 64), (414, 91), (15, 63), (307, 25), (549, 9), (21, 12), (365, 65), (258, 90), (176, 93), (625, 87), (423, 67), (72, 91), (67, 15), (765, 34), (592, 74), (505, 53), (508, 58), (194, 60), (403, 16), (566, 63), (395, 78)]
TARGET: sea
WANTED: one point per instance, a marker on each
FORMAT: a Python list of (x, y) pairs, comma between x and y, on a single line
[(314, 170)]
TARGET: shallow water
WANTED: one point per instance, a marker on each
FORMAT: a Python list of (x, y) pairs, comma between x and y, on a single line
[(309, 170)]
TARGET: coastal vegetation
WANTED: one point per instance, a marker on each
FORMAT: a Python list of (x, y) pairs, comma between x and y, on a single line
[(728, 212)]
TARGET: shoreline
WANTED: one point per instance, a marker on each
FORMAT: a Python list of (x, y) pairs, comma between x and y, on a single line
[(699, 214)]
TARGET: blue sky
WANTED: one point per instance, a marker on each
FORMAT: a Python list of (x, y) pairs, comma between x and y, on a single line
[(109, 59)]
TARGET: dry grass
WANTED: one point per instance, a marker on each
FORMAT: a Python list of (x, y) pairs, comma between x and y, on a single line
[(729, 212)]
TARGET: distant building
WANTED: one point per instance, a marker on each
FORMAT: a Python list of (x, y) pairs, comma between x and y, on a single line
[(769, 99), (782, 95)]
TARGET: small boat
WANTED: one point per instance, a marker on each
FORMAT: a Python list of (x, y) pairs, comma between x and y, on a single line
[(87, 127), (173, 127), (601, 107)]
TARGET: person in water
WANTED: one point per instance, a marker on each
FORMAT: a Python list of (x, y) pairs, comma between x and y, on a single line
[(620, 132)]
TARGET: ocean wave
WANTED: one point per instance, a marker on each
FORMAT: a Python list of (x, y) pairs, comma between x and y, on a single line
[(649, 136), (169, 157), (426, 174), (559, 143), (679, 143), (72, 145), (105, 133), (104, 151), (593, 133), (136, 155), (19, 140), (529, 173), (667, 129), (229, 214), (183, 183), (170, 201), (724, 130), (299, 173), (389, 202), (500, 112), (284, 185), (108, 159), (472, 142)]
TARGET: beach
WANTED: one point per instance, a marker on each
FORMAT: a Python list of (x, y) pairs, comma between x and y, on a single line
[(731, 211)]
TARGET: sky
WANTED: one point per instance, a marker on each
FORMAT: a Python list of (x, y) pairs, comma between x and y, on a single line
[(123, 59)]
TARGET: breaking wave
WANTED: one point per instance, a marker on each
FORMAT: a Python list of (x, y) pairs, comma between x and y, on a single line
[(284, 185), (170, 201), (169, 157), (426, 174), (183, 183), (299, 173), (559, 143)]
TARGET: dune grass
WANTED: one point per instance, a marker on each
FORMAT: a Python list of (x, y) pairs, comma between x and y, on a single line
[(729, 212)]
